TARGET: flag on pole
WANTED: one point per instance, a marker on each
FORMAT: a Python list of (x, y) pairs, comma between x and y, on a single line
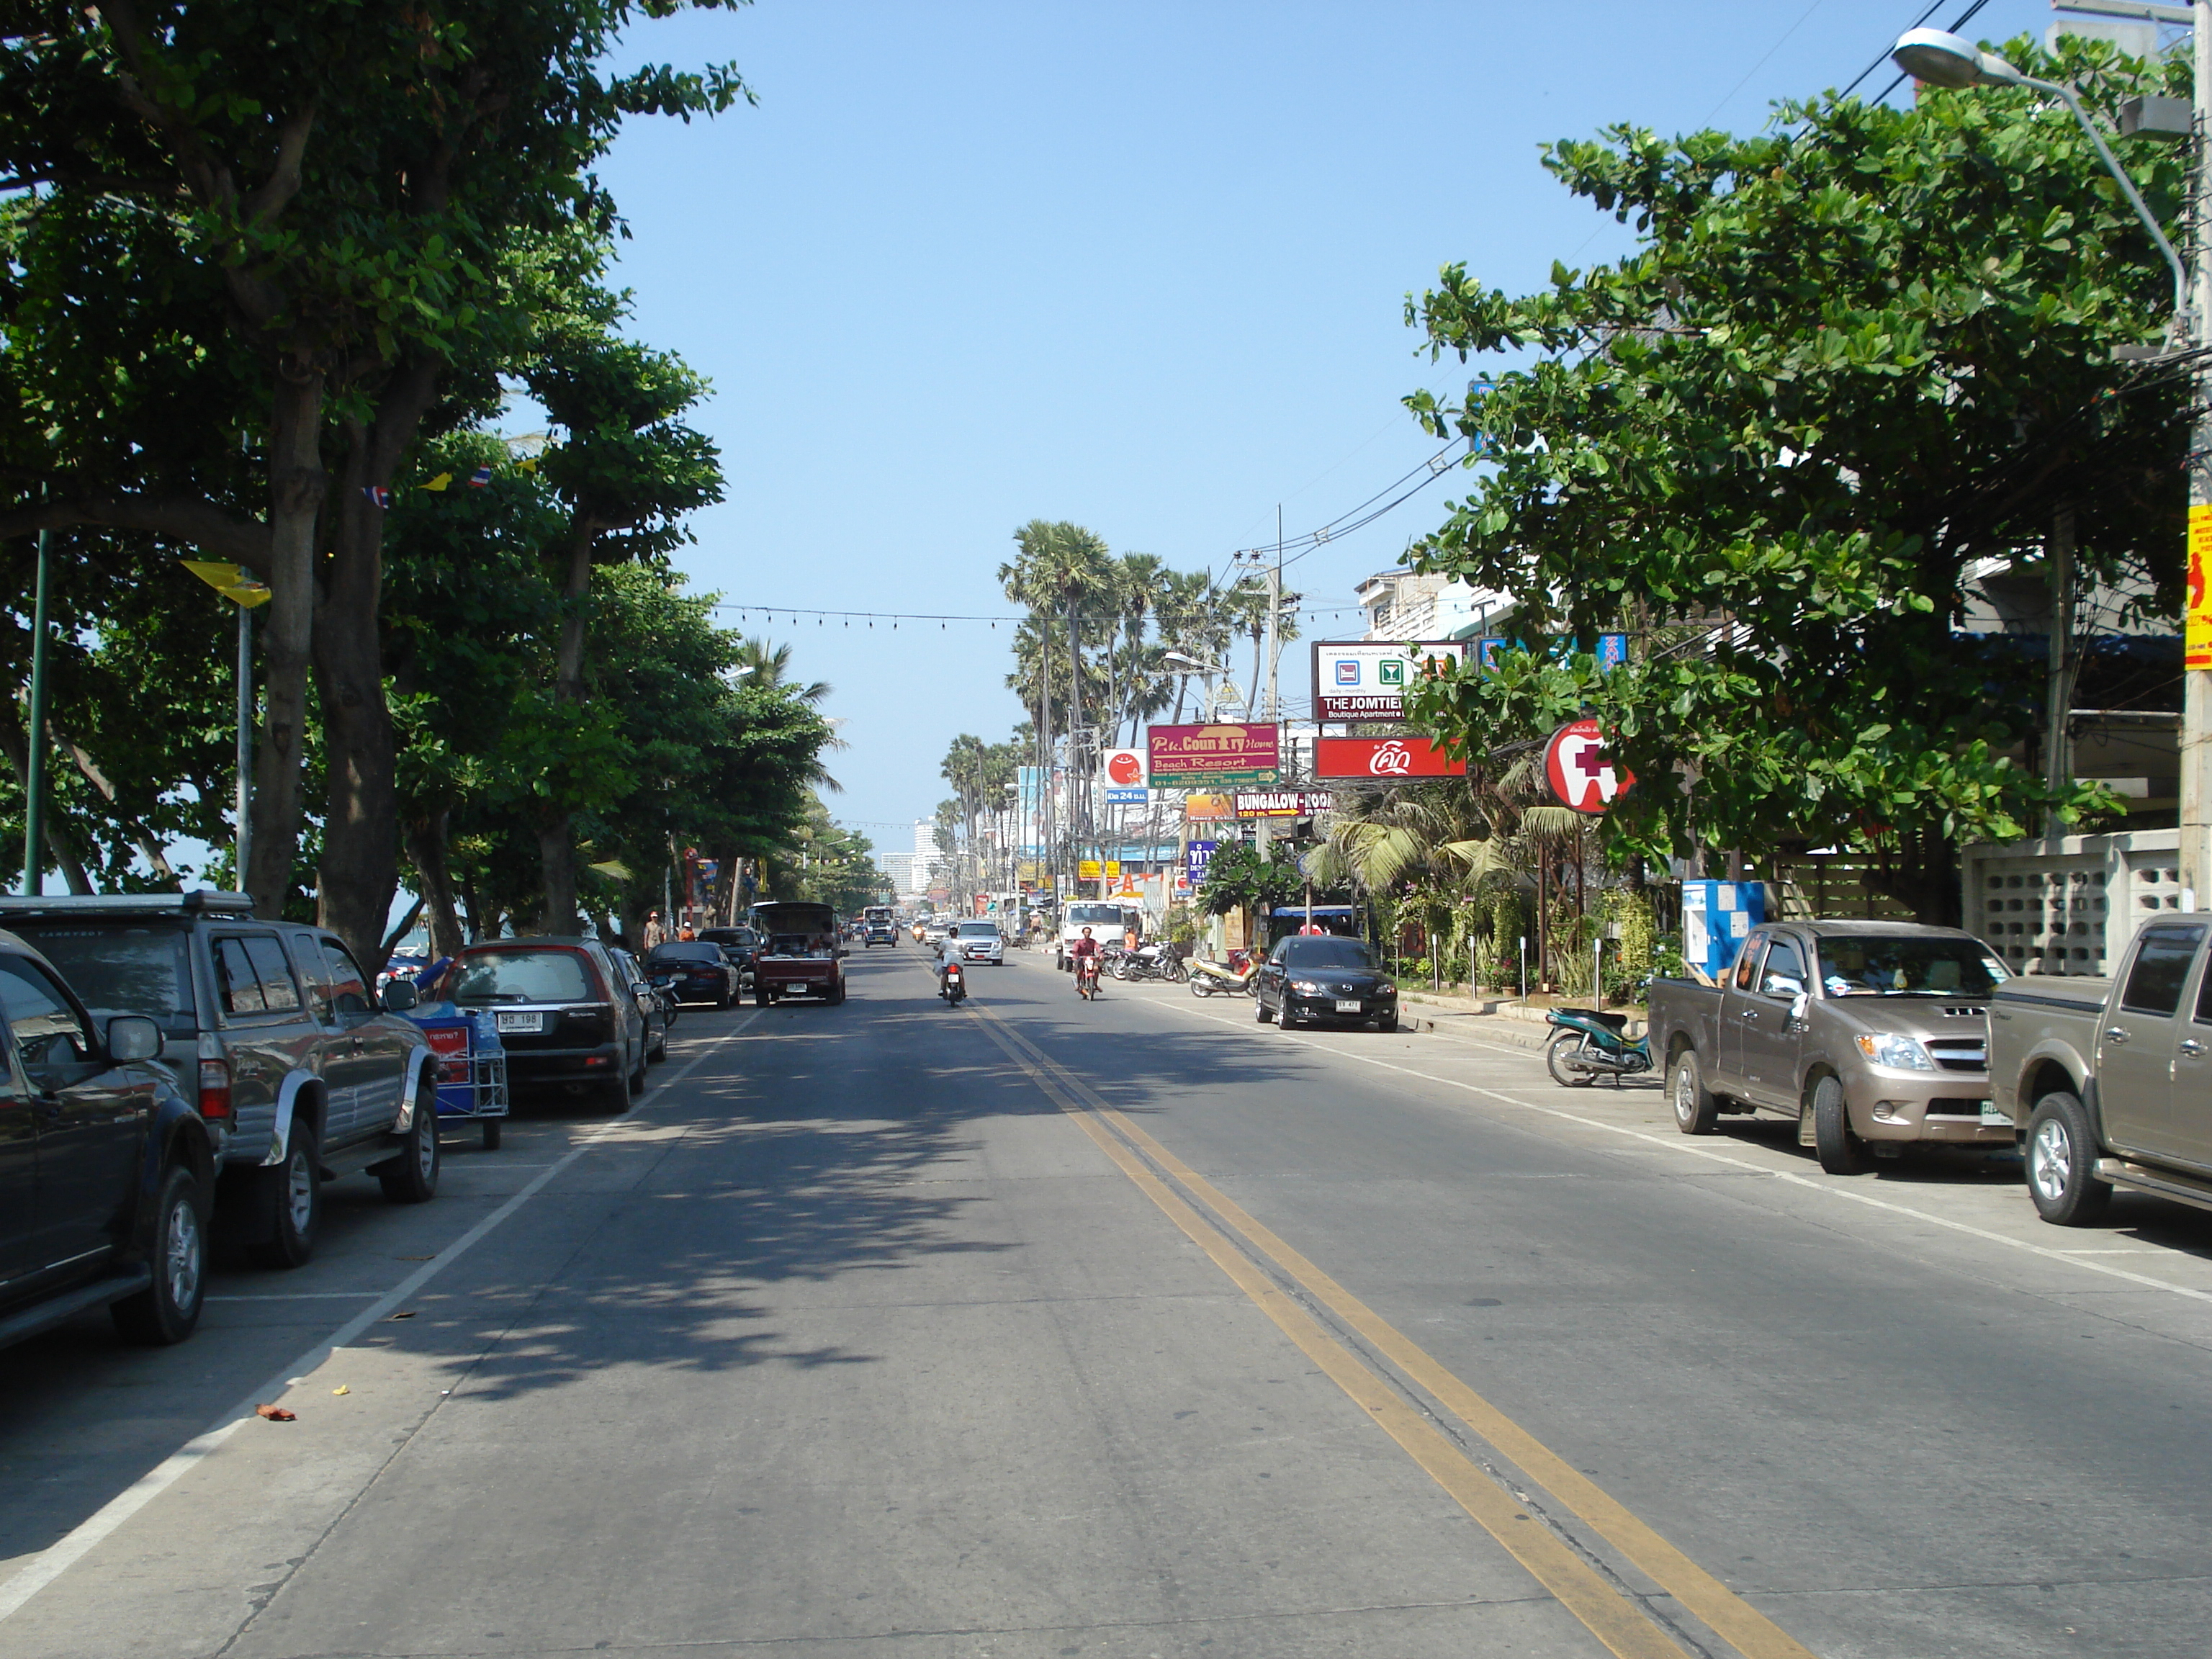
[(377, 493), (480, 477)]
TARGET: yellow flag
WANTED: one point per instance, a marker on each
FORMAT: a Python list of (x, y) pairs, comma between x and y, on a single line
[(440, 481)]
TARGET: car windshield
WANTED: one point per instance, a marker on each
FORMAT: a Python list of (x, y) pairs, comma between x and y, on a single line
[(522, 976), (1875, 966), (123, 970), (979, 930), (683, 950), (1094, 916), (1328, 953)]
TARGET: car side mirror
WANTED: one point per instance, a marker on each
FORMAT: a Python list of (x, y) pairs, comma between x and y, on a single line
[(1798, 1004), (643, 996), (133, 1037), (399, 996)]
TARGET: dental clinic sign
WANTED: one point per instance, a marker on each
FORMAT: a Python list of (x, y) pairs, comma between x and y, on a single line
[(1580, 770), (1366, 679)]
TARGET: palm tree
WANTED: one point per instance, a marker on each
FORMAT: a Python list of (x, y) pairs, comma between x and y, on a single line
[(771, 666)]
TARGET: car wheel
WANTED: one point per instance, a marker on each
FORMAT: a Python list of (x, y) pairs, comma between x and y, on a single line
[(1840, 1151), (722, 998), (412, 1177), (761, 999), (1259, 1010), (1386, 1023), (657, 1050), (1555, 1062), (615, 1094), (638, 1084), (166, 1310), (293, 1191), (2062, 1162), (491, 1133), (1696, 1111)]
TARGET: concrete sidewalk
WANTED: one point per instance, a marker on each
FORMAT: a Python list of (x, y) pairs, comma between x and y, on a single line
[(1518, 1024)]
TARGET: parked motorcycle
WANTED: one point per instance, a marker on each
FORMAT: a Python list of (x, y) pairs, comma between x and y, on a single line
[(954, 988), (1590, 1044), (1226, 979)]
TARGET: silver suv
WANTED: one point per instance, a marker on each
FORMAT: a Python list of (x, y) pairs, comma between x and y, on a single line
[(298, 1070)]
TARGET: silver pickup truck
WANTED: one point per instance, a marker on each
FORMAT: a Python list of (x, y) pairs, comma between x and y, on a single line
[(1870, 1035), (2110, 1080)]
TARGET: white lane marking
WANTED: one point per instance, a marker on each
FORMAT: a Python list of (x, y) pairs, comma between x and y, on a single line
[(64, 1552), (1689, 1149)]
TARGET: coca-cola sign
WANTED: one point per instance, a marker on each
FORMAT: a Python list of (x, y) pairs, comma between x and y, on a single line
[(1383, 759)]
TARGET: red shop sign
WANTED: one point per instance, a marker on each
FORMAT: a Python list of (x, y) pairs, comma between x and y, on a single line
[(1580, 771), (1383, 757)]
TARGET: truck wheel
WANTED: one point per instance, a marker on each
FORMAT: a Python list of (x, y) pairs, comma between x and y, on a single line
[(2062, 1162), (294, 1193), (1555, 1062), (412, 1177), (166, 1310), (1840, 1151), (1696, 1111)]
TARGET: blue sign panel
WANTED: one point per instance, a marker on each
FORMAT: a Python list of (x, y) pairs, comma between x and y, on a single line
[(1612, 650)]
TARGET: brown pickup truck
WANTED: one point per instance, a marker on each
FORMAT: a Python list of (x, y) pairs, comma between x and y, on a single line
[(1870, 1035), (2110, 1080), (802, 957)]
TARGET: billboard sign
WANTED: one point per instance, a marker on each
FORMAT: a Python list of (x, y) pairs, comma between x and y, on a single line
[(1195, 857), (1383, 759), (1205, 808), (1282, 803), (1580, 771), (1366, 679), (1220, 756)]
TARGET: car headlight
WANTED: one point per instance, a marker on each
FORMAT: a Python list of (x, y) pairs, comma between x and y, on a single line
[(1901, 1054), (1385, 988), (1309, 988)]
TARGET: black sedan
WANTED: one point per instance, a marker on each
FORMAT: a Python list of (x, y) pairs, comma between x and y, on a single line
[(1318, 977), (697, 970)]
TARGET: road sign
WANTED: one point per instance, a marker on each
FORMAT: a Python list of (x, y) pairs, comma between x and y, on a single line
[(1384, 758), (1087, 870), (1196, 856), (1366, 679), (1580, 771), (1282, 803)]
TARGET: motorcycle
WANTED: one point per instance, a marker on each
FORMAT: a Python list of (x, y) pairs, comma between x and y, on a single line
[(1590, 1044), (1226, 979), (1086, 977), (954, 989), (1149, 962)]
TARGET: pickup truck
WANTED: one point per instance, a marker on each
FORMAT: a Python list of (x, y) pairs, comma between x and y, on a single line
[(2110, 1080), (1870, 1035)]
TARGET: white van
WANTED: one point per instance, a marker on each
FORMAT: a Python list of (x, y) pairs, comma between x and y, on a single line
[(1107, 919)]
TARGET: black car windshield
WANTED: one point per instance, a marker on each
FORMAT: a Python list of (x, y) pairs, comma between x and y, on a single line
[(122, 970), (979, 930), (522, 976), (684, 951), (1328, 953), (1872, 966), (1094, 916)]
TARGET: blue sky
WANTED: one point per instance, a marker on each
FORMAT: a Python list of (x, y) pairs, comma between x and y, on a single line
[(1141, 266)]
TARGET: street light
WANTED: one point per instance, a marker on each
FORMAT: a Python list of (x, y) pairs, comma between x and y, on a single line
[(244, 589), (1944, 60)]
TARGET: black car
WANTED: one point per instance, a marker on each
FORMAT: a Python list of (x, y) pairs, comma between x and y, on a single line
[(697, 970), (1313, 976), (565, 1013), (662, 1013), (107, 1171), (740, 945)]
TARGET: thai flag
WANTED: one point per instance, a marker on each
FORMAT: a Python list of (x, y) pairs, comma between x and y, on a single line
[(480, 477), (378, 495)]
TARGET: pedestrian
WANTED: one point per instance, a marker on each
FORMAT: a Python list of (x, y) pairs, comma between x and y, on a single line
[(655, 933)]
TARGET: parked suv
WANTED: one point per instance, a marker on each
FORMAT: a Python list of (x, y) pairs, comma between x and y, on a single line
[(299, 1072), (105, 1167)]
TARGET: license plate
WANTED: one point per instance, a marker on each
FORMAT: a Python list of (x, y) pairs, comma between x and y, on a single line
[(1993, 1118), (522, 1022), (1347, 1005)]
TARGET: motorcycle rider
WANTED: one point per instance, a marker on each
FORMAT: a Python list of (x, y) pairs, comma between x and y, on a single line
[(1085, 947)]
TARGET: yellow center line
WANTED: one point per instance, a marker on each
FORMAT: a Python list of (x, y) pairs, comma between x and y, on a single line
[(1578, 1587), (1735, 1620)]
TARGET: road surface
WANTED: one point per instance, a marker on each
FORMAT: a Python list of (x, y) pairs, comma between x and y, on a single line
[(1034, 1328)]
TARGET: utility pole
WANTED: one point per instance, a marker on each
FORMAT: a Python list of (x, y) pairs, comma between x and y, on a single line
[(34, 770)]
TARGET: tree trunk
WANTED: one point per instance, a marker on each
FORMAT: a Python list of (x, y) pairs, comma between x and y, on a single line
[(59, 847), (556, 859), (556, 840), (425, 850), (296, 499)]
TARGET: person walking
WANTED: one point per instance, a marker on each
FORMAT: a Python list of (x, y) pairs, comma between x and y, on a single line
[(654, 932)]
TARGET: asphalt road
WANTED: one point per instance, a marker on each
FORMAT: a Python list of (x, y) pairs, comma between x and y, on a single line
[(1034, 1328)]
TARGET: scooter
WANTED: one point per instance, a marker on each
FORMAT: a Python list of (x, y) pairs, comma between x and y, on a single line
[(1226, 979), (954, 990), (1086, 977), (1590, 1044)]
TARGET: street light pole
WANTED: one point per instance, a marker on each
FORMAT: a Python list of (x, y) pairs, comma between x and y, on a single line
[(34, 769)]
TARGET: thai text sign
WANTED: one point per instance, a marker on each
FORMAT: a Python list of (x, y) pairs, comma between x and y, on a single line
[(1580, 771), (2197, 599), (1282, 803), (1195, 857), (1212, 756), (1366, 679), (1384, 758)]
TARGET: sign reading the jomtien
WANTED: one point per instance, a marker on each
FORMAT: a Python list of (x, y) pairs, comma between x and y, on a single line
[(1366, 679), (1383, 759), (1222, 755)]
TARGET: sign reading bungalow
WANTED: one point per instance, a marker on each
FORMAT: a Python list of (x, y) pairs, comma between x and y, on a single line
[(1223, 755)]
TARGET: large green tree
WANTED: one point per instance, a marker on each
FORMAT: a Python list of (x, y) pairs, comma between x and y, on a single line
[(1849, 360)]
